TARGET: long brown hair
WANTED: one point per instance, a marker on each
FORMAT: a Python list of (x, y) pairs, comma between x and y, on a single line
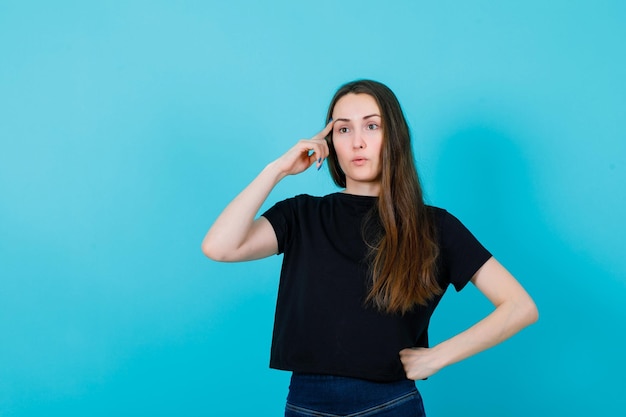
[(403, 255)]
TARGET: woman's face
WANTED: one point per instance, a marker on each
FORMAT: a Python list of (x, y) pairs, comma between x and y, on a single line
[(358, 138)]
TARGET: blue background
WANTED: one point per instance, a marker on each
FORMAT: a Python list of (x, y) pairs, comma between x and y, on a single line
[(125, 128)]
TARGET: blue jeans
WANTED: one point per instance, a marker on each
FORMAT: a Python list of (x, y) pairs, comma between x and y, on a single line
[(332, 396)]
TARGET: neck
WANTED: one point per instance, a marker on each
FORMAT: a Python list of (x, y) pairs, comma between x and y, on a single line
[(371, 189)]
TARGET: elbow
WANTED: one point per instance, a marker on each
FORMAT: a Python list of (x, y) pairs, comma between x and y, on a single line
[(535, 314), (529, 312), (207, 250), (213, 251), (220, 251)]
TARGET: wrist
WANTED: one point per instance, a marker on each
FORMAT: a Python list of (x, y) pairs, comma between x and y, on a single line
[(274, 170), (440, 358)]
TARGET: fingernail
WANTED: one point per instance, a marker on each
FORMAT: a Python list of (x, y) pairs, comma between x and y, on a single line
[(319, 161), (331, 119)]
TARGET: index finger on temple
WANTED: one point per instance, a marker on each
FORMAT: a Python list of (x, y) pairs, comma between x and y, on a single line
[(325, 131)]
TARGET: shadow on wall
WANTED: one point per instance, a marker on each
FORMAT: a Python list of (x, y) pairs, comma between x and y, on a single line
[(484, 176)]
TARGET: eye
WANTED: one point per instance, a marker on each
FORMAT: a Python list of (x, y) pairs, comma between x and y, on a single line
[(342, 130), (372, 126)]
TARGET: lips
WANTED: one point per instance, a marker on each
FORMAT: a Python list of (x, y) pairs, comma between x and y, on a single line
[(359, 160)]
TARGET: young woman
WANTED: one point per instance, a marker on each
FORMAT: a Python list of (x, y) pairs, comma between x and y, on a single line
[(364, 268)]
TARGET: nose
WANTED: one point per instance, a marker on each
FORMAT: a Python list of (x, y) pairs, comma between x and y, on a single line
[(357, 140)]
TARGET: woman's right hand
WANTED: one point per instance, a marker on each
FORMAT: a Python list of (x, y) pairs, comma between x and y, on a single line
[(305, 153), (236, 235)]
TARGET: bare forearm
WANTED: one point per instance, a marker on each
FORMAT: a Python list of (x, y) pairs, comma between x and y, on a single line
[(506, 320), (514, 310), (234, 223), (236, 235)]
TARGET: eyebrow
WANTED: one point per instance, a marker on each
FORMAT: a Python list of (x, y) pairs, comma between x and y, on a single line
[(364, 117)]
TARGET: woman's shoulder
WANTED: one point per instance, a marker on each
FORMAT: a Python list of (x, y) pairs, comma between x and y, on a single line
[(437, 213), (450, 228), (443, 220)]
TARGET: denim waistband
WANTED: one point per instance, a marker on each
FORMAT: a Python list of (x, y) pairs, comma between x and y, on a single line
[(338, 395)]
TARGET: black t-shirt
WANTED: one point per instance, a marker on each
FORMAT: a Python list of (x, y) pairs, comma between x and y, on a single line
[(322, 323)]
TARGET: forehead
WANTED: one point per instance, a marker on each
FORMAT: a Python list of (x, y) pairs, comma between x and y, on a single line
[(353, 105)]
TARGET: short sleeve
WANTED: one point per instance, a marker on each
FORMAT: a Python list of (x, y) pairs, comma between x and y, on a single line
[(462, 254), (280, 216)]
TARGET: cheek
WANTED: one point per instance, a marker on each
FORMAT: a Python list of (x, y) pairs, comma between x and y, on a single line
[(342, 154), (340, 148), (376, 147)]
